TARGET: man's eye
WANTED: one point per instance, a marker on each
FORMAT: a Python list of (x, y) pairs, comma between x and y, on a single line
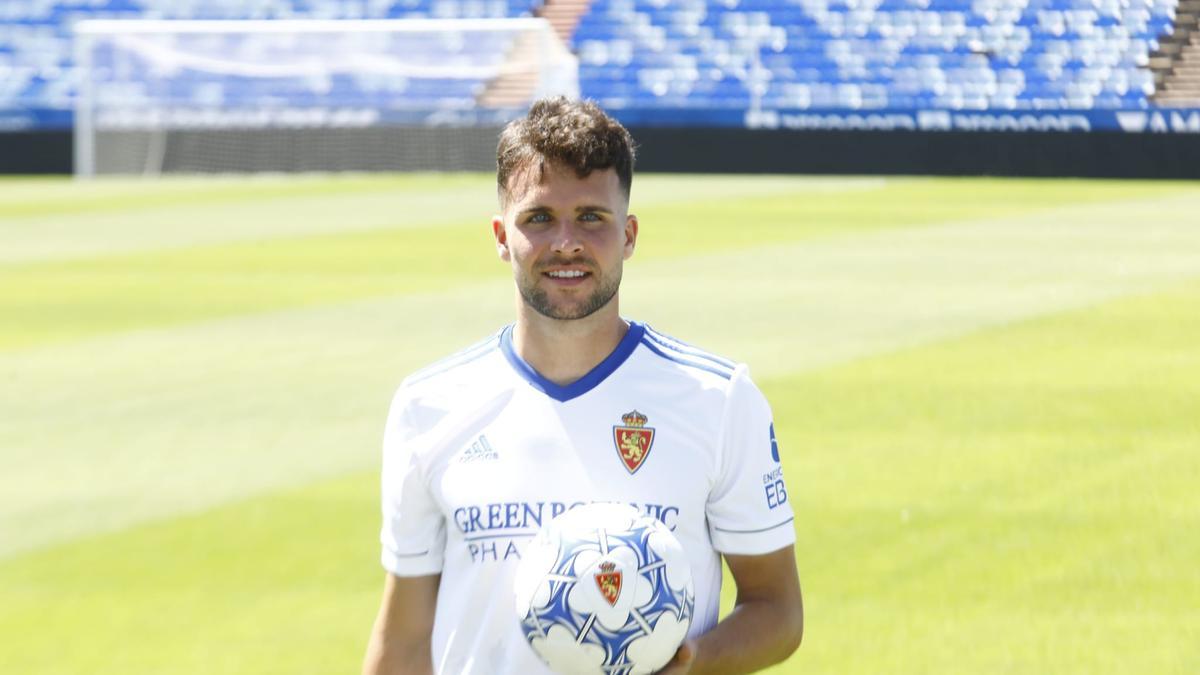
[(590, 217), (539, 218)]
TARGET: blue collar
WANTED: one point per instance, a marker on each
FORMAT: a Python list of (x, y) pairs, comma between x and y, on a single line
[(584, 384)]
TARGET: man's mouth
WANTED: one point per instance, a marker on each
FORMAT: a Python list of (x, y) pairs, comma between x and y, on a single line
[(566, 274)]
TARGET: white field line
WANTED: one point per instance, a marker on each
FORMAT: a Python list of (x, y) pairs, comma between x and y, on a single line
[(66, 236), (105, 433)]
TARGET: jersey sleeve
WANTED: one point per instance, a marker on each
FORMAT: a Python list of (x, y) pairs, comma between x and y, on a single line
[(414, 530), (748, 510)]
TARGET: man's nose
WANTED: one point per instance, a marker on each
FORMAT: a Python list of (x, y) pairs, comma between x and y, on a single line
[(566, 237)]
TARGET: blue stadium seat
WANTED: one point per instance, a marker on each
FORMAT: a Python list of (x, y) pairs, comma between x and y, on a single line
[(955, 53)]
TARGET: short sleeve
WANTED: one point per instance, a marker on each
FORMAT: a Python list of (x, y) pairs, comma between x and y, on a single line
[(414, 530), (749, 512)]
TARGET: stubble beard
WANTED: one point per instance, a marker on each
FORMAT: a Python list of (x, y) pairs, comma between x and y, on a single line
[(539, 299)]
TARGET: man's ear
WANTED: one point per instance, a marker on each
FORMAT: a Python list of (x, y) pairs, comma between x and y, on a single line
[(631, 235), (501, 238)]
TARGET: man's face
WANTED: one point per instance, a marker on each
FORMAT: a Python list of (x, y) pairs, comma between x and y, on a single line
[(566, 238)]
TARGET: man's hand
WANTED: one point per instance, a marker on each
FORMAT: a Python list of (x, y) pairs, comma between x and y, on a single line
[(682, 661)]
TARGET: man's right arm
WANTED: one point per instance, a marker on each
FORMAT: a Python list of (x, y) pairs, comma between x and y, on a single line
[(400, 641)]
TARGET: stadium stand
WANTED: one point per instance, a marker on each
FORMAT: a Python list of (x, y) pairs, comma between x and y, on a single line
[(1176, 63), (728, 54), (953, 54)]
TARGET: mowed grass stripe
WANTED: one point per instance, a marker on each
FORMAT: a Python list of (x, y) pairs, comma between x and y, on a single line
[(40, 196), (280, 584), (48, 302), (790, 307), (71, 299), (1009, 501), (119, 429), (63, 220), (63, 301), (80, 220), (33, 197), (110, 431), (708, 224)]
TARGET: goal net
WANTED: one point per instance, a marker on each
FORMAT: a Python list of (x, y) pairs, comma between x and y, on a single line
[(307, 95)]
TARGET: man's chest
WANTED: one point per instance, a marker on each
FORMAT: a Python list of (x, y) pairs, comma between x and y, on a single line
[(513, 472)]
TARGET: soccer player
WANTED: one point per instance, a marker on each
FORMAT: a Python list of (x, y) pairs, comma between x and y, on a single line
[(573, 404)]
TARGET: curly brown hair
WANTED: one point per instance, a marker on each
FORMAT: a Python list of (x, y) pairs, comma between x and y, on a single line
[(574, 134)]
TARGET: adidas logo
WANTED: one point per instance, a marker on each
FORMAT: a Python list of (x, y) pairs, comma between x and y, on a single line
[(479, 451)]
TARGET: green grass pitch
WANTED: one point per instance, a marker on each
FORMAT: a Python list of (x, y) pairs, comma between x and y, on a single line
[(987, 394)]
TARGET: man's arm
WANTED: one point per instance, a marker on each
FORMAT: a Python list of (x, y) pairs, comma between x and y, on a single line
[(766, 623), (400, 641)]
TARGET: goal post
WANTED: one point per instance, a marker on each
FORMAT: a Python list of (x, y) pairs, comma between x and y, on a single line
[(307, 95)]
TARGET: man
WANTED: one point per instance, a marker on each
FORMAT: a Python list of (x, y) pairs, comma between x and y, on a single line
[(483, 447)]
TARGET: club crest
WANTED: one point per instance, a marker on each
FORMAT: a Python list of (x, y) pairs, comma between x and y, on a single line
[(633, 440), (608, 580)]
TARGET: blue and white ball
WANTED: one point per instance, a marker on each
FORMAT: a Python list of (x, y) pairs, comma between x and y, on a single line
[(604, 590)]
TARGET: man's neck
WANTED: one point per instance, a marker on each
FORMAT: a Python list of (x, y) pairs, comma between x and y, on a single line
[(564, 351)]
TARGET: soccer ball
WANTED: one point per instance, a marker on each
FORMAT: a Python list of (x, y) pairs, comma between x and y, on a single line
[(604, 589)]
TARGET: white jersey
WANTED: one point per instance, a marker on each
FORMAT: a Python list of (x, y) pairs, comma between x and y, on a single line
[(480, 450)]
